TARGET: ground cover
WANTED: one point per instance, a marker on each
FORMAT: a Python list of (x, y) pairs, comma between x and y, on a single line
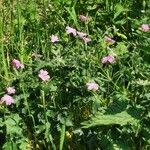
[(75, 75)]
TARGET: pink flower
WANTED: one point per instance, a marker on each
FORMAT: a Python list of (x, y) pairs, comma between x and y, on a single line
[(109, 40), (108, 59), (16, 63), (10, 90), (86, 39), (83, 18), (92, 86), (81, 34), (145, 27), (70, 30), (43, 75), (7, 99), (54, 38)]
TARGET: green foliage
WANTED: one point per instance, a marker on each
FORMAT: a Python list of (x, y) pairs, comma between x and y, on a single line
[(122, 118), (62, 112), (121, 49)]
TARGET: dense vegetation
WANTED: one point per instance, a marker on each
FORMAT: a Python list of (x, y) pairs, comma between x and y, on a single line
[(75, 74)]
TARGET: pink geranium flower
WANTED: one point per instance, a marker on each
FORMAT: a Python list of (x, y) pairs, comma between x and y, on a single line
[(54, 38), (109, 40), (17, 64), (11, 90), (145, 27), (92, 86), (83, 18), (70, 30), (108, 59), (81, 34), (43, 75), (8, 100), (86, 40)]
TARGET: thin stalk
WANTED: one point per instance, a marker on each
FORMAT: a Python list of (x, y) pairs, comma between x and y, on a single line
[(20, 30), (46, 121), (62, 136), (4, 59), (28, 108)]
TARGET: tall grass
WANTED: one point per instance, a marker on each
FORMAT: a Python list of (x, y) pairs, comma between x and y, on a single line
[(62, 113)]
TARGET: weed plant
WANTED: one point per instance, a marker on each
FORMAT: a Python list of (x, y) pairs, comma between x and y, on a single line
[(75, 75)]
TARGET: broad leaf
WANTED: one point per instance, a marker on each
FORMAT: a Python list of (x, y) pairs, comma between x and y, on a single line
[(99, 119)]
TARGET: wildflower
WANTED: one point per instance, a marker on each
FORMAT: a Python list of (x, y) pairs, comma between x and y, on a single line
[(83, 18), (86, 39), (7, 99), (109, 40), (81, 34), (108, 59), (54, 38), (43, 75), (10, 90), (70, 30), (145, 27), (17, 64), (92, 86)]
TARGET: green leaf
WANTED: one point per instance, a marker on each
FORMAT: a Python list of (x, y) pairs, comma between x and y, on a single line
[(143, 82), (121, 22), (12, 124), (99, 119), (7, 146), (68, 122), (121, 49), (72, 14), (121, 35), (119, 9), (10, 145), (24, 144)]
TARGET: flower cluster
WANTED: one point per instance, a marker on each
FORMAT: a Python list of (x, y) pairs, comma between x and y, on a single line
[(82, 35), (7, 98), (43, 74)]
